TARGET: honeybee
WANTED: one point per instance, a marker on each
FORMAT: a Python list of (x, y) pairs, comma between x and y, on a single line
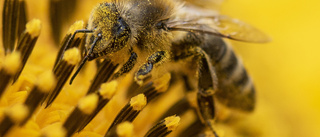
[(151, 37)]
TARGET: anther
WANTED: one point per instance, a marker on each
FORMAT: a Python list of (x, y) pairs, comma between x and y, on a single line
[(9, 67), (44, 84), (164, 127), (124, 129), (13, 116), (53, 130), (85, 108)]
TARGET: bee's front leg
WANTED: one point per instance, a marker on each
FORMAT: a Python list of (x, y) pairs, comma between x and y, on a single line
[(127, 66), (146, 68)]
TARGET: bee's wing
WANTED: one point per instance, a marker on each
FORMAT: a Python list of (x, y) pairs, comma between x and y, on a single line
[(209, 4), (222, 26)]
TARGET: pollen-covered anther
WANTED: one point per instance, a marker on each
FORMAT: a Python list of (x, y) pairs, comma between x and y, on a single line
[(88, 104), (12, 63), (107, 90), (138, 102), (164, 127), (172, 122), (46, 82), (53, 130), (130, 111), (34, 27), (17, 113), (13, 116), (72, 56), (8, 69), (125, 129), (76, 26)]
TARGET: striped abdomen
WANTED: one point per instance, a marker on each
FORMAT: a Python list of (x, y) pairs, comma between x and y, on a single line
[(236, 89)]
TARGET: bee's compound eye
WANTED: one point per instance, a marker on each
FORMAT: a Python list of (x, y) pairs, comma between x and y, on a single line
[(161, 25), (121, 28)]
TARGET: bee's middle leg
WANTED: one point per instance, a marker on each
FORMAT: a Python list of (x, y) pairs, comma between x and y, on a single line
[(207, 86)]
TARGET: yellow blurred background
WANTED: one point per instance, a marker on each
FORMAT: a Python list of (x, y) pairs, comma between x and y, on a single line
[(286, 71)]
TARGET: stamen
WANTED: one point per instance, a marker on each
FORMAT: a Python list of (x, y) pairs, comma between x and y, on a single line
[(12, 63), (13, 116), (26, 43), (164, 127), (17, 113), (172, 122), (137, 103), (124, 129), (108, 89), (78, 119), (88, 104), (130, 111), (63, 71), (53, 130), (33, 28), (106, 92), (9, 68), (45, 83)]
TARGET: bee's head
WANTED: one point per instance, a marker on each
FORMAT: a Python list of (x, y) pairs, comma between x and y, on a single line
[(110, 31), (126, 23)]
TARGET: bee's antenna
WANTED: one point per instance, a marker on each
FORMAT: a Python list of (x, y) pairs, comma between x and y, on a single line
[(85, 59)]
